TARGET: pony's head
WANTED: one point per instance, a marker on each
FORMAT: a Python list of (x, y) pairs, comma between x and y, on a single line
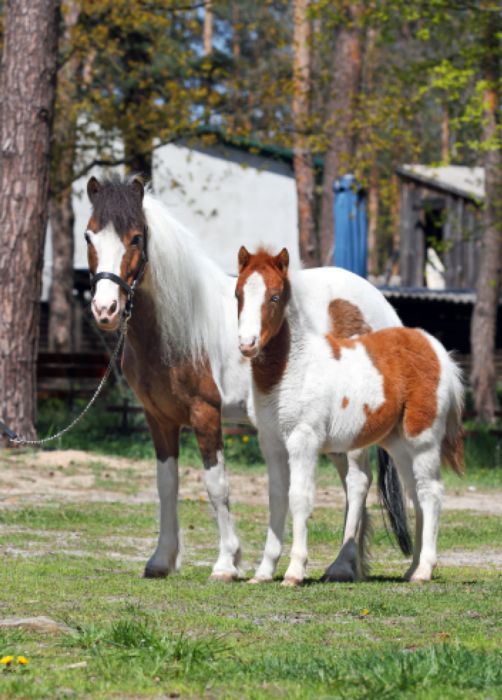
[(116, 245), (262, 292)]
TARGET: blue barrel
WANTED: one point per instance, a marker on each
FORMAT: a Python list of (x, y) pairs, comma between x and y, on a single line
[(351, 239)]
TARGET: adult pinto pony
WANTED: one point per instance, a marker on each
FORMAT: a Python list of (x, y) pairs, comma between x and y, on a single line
[(181, 355), (314, 393)]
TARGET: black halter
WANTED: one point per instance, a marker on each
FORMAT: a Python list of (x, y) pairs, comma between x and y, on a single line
[(128, 289)]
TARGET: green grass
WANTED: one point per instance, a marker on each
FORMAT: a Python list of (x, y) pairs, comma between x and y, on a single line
[(183, 635)]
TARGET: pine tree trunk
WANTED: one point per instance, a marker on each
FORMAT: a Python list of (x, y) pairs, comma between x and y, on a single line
[(347, 65), (61, 214), (484, 317), (373, 209), (302, 156), (208, 27), (28, 89)]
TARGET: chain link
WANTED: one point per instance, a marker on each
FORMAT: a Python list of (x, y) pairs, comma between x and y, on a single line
[(123, 332)]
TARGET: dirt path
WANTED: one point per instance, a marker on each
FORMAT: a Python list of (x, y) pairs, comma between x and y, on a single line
[(75, 475)]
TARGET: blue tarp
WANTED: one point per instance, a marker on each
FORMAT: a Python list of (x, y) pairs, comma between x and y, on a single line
[(351, 242)]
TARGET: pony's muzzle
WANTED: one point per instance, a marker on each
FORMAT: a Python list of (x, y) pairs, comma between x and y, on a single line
[(106, 315)]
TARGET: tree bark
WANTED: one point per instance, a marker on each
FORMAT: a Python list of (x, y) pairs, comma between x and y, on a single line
[(347, 65), (373, 210), (302, 155), (484, 317), (61, 214), (208, 27), (28, 89)]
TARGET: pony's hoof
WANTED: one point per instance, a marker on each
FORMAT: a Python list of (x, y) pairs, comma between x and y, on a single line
[(259, 579), (291, 582), (223, 577)]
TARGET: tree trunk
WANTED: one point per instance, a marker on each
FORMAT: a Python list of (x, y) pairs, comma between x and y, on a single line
[(302, 155), (373, 209), (60, 206), (484, 317), (347, 65), (28, 89), (445, 136), (208, 27)]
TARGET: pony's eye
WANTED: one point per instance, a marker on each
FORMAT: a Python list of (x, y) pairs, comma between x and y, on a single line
[(275, 298), (136, 240), (87, 238)]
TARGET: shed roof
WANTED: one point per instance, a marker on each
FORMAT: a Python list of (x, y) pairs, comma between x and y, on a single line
[(456, 179)]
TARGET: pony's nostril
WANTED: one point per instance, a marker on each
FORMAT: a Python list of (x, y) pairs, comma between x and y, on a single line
[(113, 307)]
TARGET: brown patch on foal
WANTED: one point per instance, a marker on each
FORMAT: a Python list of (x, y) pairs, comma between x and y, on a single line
[(410, 370), (346, 319), (345, 402)]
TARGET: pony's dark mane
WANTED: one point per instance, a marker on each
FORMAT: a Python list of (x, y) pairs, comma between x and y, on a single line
[(119, 203)]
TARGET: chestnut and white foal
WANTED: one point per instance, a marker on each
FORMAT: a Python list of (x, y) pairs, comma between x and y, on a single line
[(316, 392)]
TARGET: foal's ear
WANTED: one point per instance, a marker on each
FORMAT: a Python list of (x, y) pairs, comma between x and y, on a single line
[(282, 260), (244, 258), (138, 186), (93, 187)]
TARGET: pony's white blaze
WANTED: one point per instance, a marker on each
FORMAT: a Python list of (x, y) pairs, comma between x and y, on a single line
[(109, 251), (250, 316)]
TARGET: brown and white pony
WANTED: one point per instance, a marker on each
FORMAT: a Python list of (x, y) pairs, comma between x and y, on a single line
[(181, 355), (396, 387)]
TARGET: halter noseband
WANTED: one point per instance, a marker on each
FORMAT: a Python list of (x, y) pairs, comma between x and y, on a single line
[(128, 289)]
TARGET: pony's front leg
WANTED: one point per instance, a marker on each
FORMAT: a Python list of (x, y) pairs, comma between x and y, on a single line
[(206, 423), (165, 559), (355, 472), (276, 457), (303, 448)]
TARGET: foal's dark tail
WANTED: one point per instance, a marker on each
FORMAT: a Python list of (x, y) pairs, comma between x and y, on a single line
[(391, 497)]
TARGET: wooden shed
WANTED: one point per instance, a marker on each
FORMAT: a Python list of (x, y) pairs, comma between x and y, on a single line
[(440, 209)]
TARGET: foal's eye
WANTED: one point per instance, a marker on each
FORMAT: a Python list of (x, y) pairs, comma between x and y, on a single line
[(87, 238), (136, 240), (275, 298)]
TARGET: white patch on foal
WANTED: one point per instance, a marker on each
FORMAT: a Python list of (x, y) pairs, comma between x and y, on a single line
[(109, 251), (250, 318)]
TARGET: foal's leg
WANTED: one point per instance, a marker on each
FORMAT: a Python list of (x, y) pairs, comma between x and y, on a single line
[(276, 457), (355, 472), (427, 499), (206, 423), (166, 440), (303, 448)]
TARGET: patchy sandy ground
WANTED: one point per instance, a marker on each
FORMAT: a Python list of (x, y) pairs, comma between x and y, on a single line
[(75, 475)]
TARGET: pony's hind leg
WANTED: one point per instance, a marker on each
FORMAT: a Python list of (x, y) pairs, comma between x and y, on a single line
[(427, 499), (276, 457), (355, 472), (303, 448), (165, 559), (206, 423)]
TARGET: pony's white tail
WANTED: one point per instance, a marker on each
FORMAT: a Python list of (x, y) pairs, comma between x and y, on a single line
[(452, 449)]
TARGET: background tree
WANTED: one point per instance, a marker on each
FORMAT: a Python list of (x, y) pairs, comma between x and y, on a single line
[(28, 89)]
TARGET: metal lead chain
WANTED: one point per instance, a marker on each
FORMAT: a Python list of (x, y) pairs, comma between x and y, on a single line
[(16, 440)]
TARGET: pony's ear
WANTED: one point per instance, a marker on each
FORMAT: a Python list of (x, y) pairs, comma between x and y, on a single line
[(282, 261), (93, 187), (138, 186), (244, 258)]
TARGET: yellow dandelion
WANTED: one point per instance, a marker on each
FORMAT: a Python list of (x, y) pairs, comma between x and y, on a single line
[(6, 660), (230, 441), (245, 439), (365, 612), (22, 660)]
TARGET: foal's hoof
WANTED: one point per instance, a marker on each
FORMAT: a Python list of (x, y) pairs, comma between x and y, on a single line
[(152, 572), (259, 579), (339, 575), (291, 582), (223, 577)]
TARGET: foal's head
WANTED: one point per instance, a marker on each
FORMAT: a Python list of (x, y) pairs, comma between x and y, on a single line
[(262, 292), (116, 244)]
